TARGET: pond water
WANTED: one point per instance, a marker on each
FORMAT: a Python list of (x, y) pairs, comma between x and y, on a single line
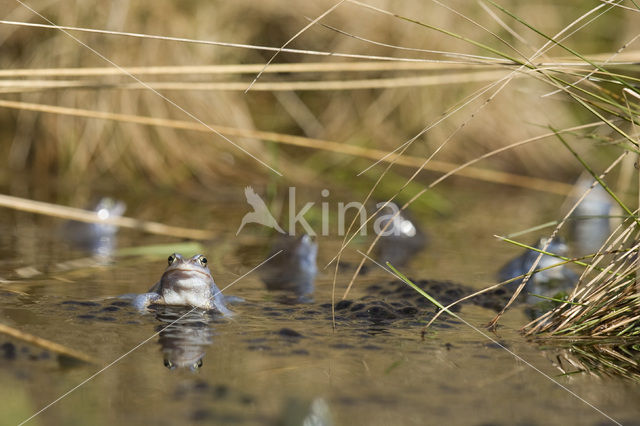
[(276, 363)]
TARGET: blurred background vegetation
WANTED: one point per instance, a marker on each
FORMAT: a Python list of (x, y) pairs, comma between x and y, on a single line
[(74, 154)]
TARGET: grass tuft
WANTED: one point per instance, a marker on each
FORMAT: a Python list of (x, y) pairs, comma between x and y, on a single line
[(606, 303)]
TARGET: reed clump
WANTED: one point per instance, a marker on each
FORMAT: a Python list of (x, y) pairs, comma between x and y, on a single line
[(606, 302)]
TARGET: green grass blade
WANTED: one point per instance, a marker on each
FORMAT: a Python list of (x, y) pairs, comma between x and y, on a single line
[(421, 291), (559, 44)]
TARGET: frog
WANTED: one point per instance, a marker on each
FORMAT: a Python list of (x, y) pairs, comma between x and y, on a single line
[(294, 270), (99, 237), (549, 282), (591, 222), (185, 282), (401, 240)]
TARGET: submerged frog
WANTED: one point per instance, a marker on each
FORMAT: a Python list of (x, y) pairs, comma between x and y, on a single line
[(185, 282)]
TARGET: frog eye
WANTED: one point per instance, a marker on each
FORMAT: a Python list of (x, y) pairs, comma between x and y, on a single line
[(197, 365), (171, 259), (169, 364), (203, 261)]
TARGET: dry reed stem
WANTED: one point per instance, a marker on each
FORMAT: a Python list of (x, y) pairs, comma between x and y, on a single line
[(626, 58), (17, 86), (81, 215), (539, 184), (46, 344), (307, 67), (236, 45)]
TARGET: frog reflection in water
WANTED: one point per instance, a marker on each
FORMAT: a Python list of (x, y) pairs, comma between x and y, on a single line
[(185, 282), (184, 338)]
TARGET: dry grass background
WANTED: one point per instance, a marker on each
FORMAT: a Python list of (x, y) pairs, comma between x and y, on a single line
[(69, 148)]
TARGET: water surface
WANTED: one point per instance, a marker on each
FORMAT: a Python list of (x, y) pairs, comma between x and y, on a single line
[(272, 361)]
